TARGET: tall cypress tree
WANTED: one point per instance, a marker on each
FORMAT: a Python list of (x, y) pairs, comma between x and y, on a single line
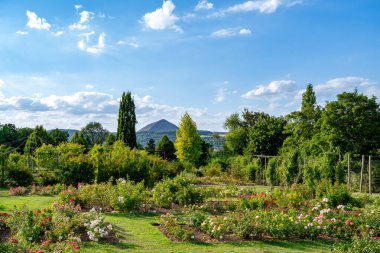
[(126, 130)]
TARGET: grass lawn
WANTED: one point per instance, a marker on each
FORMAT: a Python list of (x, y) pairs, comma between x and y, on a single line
[(139, 235), (7, 202)]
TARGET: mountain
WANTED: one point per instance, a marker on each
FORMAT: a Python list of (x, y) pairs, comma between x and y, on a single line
[(157, 130), (160, 126)]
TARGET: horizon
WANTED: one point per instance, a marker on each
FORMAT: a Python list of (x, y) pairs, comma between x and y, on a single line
[(66, 63)]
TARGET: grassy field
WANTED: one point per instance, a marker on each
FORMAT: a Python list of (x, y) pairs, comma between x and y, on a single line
[(140, 235)]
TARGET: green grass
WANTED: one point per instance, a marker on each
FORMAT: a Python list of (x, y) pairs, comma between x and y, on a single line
[(139, 235), (7, 202), (142, 236)]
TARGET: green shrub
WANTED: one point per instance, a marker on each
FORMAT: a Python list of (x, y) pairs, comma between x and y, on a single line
[(271, 174), (128, 196), (96, 195), (358, 245), (178, 190), (337, 194)]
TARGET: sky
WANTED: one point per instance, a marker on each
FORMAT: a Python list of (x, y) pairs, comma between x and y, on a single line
[(65, 63)]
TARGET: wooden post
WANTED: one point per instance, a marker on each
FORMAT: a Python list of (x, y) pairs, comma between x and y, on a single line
[(361, 173), (369, 176), (348, 171)]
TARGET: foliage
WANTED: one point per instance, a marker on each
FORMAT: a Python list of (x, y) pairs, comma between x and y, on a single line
[(166, 149), (188, 143), (58, 136), (352, 123), (17, 172), (36, 139), (151, 147), (96, 195), (94, 133), (126, 130), (176, 191), (128, 196)]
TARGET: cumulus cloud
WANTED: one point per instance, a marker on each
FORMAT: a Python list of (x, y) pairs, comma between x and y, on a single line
[(273, 88), (35, 22), (84, 18), (204, 5), (89, 86), (230, 32), (94, 49), (162, 18), (1, 87), (75, 110)]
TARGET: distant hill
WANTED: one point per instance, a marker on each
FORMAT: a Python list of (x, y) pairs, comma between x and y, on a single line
[(160, 126), (157, 130), (70, 131)]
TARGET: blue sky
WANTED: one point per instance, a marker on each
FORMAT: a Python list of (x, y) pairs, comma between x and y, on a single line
[(65, 63)]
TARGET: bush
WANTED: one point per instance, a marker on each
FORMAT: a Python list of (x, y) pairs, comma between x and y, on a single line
[(128, 196), (178, 191), (18, 191), (19, 177), (336, 193), (271, 174), (96, 195), (358, 245)]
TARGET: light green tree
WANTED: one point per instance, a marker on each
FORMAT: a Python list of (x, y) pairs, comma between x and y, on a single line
[(188, 143)]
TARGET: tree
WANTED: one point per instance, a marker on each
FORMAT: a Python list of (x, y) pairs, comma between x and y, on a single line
[(4, 152), (151, 147), (352, 123), (303, 125), (8, 134), (80, 139), (188, 142), (111, 139), (36, 139), (126, 127), (166, 149), (266, 136), (94, 133), (58, 136)]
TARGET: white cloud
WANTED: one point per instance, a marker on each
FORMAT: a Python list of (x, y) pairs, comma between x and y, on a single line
[(78, 6), (22, 33), (220, 95), (162, 18), (95, 49), (131, 44), (58, 33), (75, 110), (204, 5), (262, 6), (229, 32), (245, 31), (89, 86), (273, 88), (35, 22), (85, 17), (342, 83)]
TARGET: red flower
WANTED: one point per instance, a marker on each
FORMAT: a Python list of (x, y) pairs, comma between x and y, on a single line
[(14, 241), (77, 247), (348, 222)]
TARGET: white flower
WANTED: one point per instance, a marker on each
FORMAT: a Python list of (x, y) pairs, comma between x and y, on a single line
[(325, 200), (109, 227), (30, 238), (257, 217), (340, 207), (120, 199), (60, 237)]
